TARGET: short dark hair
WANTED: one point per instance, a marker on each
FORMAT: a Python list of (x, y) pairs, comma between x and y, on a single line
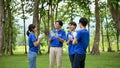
[(60, 22), (30, 28), (83, 21), (73, 23)]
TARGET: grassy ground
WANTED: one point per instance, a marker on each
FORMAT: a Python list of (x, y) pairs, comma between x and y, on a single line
[(105, 60)]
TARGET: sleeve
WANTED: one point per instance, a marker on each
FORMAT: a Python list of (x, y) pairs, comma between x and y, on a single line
[(33, 38), (78, 35), (64, 36), (67, 37)]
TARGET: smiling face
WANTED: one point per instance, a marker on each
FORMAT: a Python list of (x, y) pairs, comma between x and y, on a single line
[(34, 29), (72, 27), (57, 25)]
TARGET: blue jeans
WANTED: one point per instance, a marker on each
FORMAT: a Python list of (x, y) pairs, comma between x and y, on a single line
[(79, 61), (32, 59)]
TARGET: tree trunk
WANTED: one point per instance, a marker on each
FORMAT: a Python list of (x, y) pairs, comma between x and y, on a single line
[(117, 36), (56, 12), (103, 48), (48, 27), (71, 16), (35, 14), (36, 18), (23, 12), (95, 49), (108, 39), (102, 37), (114, 9), (10, 30), (2, 22), (89, 32), (52, 16), (38, 29)]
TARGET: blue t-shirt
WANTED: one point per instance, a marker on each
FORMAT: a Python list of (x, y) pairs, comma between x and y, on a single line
[(55, 42), (31, 39), (70, 46), (83, 41)]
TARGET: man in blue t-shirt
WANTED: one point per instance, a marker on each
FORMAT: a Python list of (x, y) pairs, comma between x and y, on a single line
[(56, 39), (70, 36), (82, 42)]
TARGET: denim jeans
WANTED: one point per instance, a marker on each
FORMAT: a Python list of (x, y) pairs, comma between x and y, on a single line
[(79, 61), (32, 59)]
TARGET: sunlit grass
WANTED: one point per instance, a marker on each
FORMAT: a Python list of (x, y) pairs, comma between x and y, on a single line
[(105, 60)]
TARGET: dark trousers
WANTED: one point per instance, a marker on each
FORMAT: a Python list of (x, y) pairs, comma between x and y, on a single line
[(71, 59), (79, 61)]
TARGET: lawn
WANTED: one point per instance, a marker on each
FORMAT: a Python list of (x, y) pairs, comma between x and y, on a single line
[(105, 60)]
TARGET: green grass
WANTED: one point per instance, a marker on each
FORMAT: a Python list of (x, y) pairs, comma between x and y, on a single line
[(105, 60)]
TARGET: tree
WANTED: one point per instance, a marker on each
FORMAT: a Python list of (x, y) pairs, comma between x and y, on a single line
[(36, 15), (23, 17), (103, 14), (108, 38), (114, 7), (2, 22), (115, 12), (95, 49), (10, 29)]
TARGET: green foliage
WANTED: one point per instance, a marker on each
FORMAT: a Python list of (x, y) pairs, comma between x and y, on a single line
[(71, 10), (67, 11), (115, 4), (114, 1), (10, 4)]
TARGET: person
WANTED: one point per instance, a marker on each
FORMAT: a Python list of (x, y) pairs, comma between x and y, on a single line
[(33, 43), (56, 39), (70, 36), (82, 42)]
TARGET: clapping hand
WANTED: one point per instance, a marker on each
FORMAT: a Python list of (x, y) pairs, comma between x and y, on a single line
[(70, 38), (54, 34), (41, 36)]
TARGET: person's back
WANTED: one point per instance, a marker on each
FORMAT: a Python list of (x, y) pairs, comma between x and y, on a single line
[(83, 41)]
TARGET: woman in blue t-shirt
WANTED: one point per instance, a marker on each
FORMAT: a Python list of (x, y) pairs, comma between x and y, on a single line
[(33, 43)]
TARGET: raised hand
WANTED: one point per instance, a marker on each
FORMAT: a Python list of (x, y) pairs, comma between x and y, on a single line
[(41, 36), (70, 38), (54, 34)]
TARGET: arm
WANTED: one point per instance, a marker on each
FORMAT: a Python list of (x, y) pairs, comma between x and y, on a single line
[(60, 39), (50, 39), (74, 41), (68, 42), (67, 39), (36, 43)]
